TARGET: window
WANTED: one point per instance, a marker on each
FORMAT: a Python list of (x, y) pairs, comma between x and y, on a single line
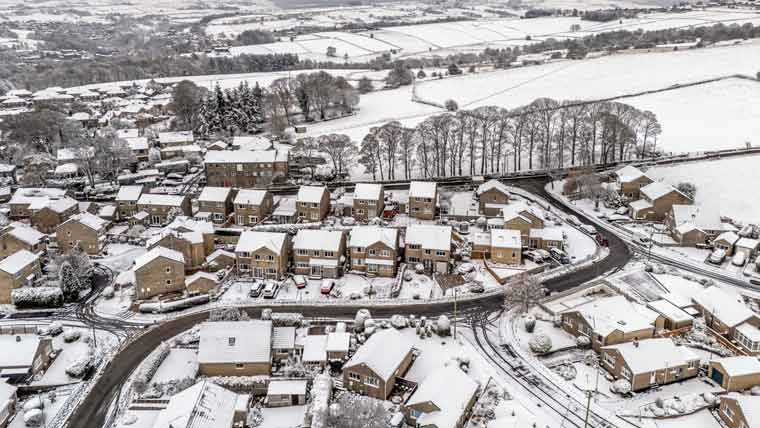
[(240, 219), (428, 252), (329, 253), (257, 257), (372, 252), (168, 269), (372, 268), (609, 359), (440, 253), (239, 366), (413, 259), (354, 376), (302, 252), (253, 219), (243, 267), (68, 233), (627, 373), (693, 364), (271, 270), (270, 258), (245, 254), (360, 212), (359, 249), (168, 282), (359, 262), (386, 253), (728, 412), (231, 341), (371, 381)]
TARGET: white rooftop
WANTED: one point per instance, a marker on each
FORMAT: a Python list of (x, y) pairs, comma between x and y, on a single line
[(235, 342), (368, 191), (26, 234), (740, 366), (506, 238), (17, 261), (311, 194), (313, 239), (750, 405), (156, 253), (201, 275), (608, 314), (314, 349), (338, 341), (422, 189), (250, 197), (383, 353), (493, 184), (628, 174), (246, 156), (657, 189), (90, 220), (29, 195), (638, 355), (214, 194), (18, 353), (730, 237), (175, 137), (701, 217), (364, 236), (450, 390), (137, 143), (725, 305), (203, 405), (251, 241), (431, 237), (158, 199), (670, 310), (287, 387)]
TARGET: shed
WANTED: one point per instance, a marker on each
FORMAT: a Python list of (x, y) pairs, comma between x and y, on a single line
[(282, 393)]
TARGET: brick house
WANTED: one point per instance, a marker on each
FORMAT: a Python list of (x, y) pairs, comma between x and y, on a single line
[(47, 215), (235, 348), (201, 283), (378, 363), (739, 411), (252, 206), (139, 147), (629, 181), (263, 254), (159, 271), (657, 199), (18, 237), (217, 201), (523, 218), (423, 196), (312, 203), (220, 259), (159, 207), (319, 253), (373, 250), (492, 195), (368, 202), (690, 225), (86, 228), (636, 362), (190, 244), (245, 168), (126, 200), (429, 245), (17, 270), (444, 398), (506, 246), (725, 313), (735, 373)]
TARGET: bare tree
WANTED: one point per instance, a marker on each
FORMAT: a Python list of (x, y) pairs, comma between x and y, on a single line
[(523, 294), (340, 150), (307, 147)]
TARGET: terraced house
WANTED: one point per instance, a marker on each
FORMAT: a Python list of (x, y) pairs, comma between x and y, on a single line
[(158, 207), (423, 196), (312, 203), (217, 202), (369, 201), (319, 253), (263, 254), (252, 206), (85, 228), (429, 245), (373, 250), (244, 168)]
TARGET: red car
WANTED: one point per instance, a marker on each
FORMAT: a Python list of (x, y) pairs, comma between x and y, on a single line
[(300, 281)]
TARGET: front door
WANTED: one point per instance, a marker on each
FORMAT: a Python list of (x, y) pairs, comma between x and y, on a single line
[(717, 376), (257, 272), (316, 271), (155, 219)]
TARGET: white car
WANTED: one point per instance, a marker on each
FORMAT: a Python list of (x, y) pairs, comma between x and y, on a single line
[(270, 290), (739, 259), (717, 256), (591, 230)]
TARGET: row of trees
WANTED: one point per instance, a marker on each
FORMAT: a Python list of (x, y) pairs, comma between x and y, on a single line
[(544, 134)]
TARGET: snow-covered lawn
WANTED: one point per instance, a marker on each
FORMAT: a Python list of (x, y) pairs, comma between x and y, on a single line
[(120, 257), (179, 364), (282, 417), (70, 353), (700, 419)]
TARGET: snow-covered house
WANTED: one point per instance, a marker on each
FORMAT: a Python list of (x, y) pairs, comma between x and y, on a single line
[(190, 244), (25, 200), (285, 211), (657, 199), (235, 348), (220, 259), (338, 345), (690, 225), (263, 254), (48, 214), (726, 241), (609, 320), (423, 197), (314, 351), (739, 411), (203, 405), (368, 201), (443, 400), (281, 393), (85, 228), (284, 343), (373, 250), (522, 217), (139, 147), (629, 181), (506, 246), (319, 253), (18, 236), (748, 246), (24, 355), (252, 206), (312, 203), (179, 138), (201, 283), (217, 201), (161, 208), (374, 368), (127, 199), (725, 313), (493, 196), (735, 373), (245, 168), (429, 245), (650, 362), (19, 269), (159, 271), (674, 318), (8, 399)]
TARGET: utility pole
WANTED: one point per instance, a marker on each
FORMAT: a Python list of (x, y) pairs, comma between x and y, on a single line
[(455, 314)]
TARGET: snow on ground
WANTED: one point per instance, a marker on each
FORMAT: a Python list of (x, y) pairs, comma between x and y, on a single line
[(282, 417), (121, 256), (70, 352), (730, 178), (179, 364), (50, 408), (118, 305), (700, 419), (560, 339), (138, 419)]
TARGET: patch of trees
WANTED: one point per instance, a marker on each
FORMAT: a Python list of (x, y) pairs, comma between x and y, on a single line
[(318, 94), (238, 110), (544, 134), (254, 37), (605, 15)]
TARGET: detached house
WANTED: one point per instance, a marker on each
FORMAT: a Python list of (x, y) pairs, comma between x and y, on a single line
[(190, 244), (139, 147), (369, 201), (373, 250), (235, 348), (319, 253), (18, 236), (127, 199), (691, 225), (443, 400), (650, 362), (740, 411), (312, 203), (657, 199), (423, 196), (158, 207), (159, 271), (506, 246), (429, 245), (726, 314), (523, 218), (86, 228), (630, 180), (26, 200), (17, 270), (374, 368), (217, 201), (252, 206), (493, 196), (726, 241), (263, 254)]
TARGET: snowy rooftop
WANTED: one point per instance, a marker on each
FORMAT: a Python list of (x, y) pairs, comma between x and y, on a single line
[(338, 341), (628, 174), (287, 387), (251, 241), (158, 199), (284, 337), (608, 314), (740, 366), (214, 194), (639, 205), (505, 238), (156, 253), (311, 194), (92, 221), (450, 390), (250, 197), (314, 349), (218, 253), (17, 261), (547, 234), (638, 355), (669, 310), (701, 217), (493, 184), (748, 243), (30, 195), (422, 189), (251, 142), (657, 189), (175, 137), (730, 237), (750, 331), (18, 353), (137, 143), (127, 133), (186, 224), (26, 234), (235, 342), (429, 236), (364, 236), (201, 275), (725, 305), (286, 207), (203, 405), (368, 191), (750, 405), (311, 239), (245, 156), (383, 353)]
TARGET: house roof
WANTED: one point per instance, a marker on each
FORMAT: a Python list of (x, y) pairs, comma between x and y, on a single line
[(246, 156), (669, 310), (203, 405), (422, 189), (639, 205), (7, 391), (638, 355), (312, 239), (750, 331), (18, 353), (730, 237), (368, 191), (364, 236), (158, 199), (750, 405), (628, 174), (252, 240), (547, 234), (701, 217), (287, 387), (29, 195), (17, 261), (283, 337), (285, 207), (92, 221), (156, 253), (450, 390), (505, 238), (218, 253), (740, 366), (608, 314), (235, 342), (492, 184), (201, 275), (748, 243), (250, 197), (137, 143), (338, 341), (187, 224), (431, 237), (214, 194), (311, 194), (26, 234), (314, 348), (383, 353), (725, 305), (251, 142), (658, 189), (175, 137)]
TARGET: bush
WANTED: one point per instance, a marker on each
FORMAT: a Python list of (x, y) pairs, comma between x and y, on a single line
[(71, 335), (530, 323), (451, 105), (37, 297), (583, 341), (149, 367), (33, 418), (443, 326), (540, 343), (621, 386), (399, 322), (79, 367), (362, 315), (107, 292)]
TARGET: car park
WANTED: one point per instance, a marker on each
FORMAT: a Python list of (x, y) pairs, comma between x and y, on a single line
[(271, 290)]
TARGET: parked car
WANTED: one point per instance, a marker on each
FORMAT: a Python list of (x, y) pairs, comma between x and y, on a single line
[(572, 220), (543, 253), (256, 289), (559, 255), (533, 256), (717, 256), (271, 290), (591, 230), (739, 259), (327, 286), (476, 288), (300, 281), (622, 211)]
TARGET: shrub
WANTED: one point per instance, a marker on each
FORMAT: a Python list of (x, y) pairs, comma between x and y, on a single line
[(540, 343), (37, 297)]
